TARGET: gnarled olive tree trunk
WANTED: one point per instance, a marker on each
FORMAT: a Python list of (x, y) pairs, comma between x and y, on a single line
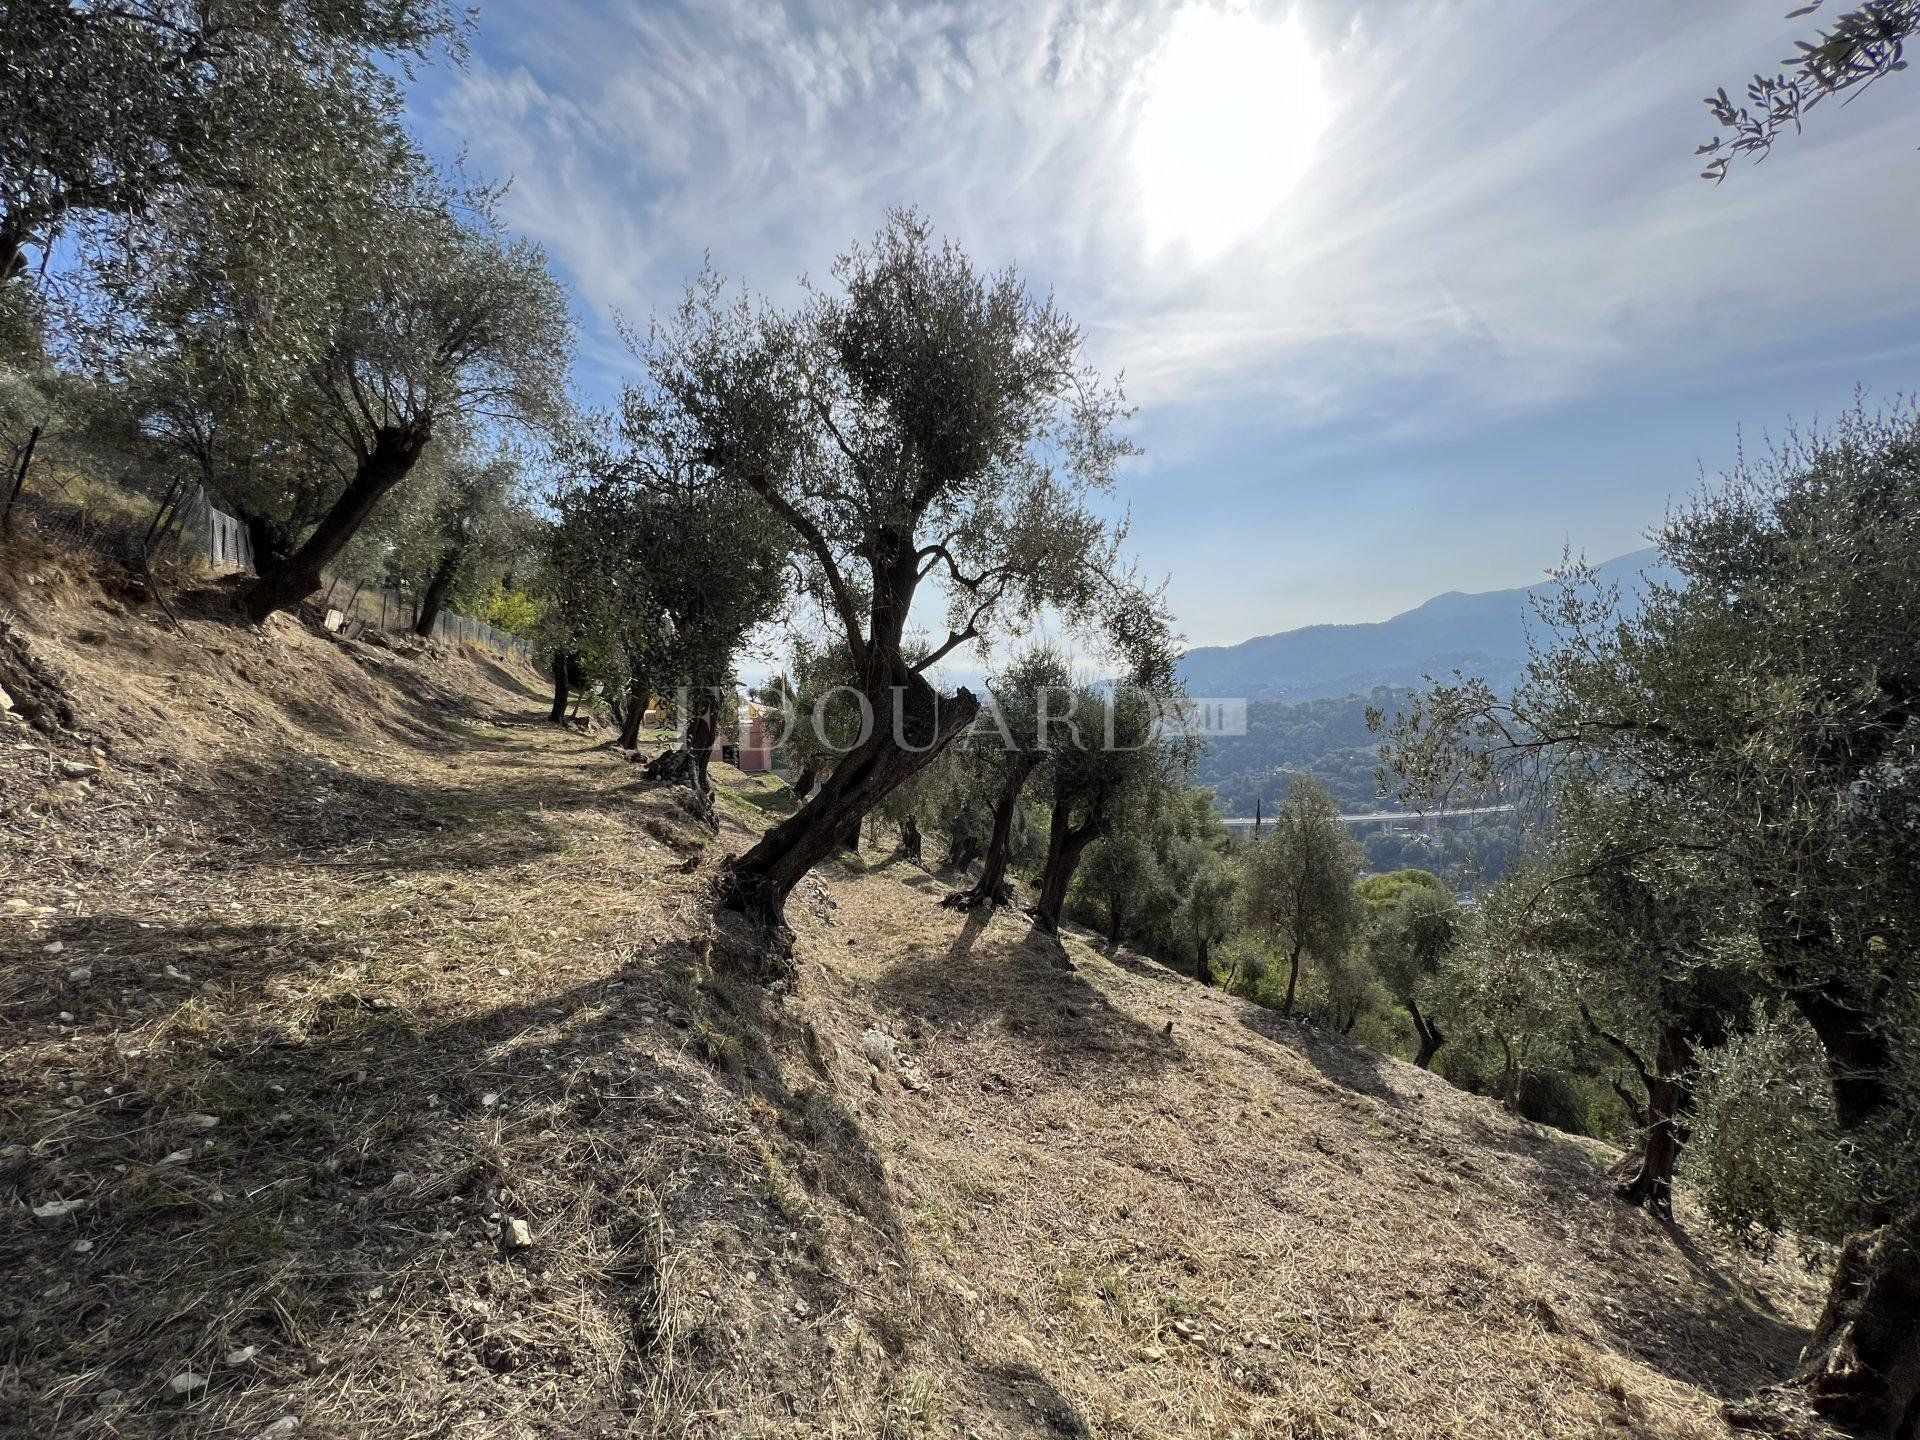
[(1429, 1033), (758, 882), (435, 597), (637, 697), (992, 887), (1066, 843), (285, 581), (1648, 1180), (566, 666)]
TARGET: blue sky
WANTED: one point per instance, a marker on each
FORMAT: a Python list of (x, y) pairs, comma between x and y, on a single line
[(1409, 293)]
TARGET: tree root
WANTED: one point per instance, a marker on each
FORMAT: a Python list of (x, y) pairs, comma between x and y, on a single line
[(974, 898), (33, 686)]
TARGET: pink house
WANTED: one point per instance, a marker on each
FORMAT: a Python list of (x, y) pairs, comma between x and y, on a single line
[(753, 752)]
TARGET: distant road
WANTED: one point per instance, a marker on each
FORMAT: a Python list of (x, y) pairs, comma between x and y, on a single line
[(1385, 817)]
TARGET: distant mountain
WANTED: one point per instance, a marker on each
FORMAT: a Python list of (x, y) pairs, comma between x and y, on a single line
[(1482, 635)]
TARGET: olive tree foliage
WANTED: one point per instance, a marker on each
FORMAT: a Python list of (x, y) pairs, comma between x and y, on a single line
[(309, 387), (1412, 927), (1761, 719), (1297, 881), (919, 425), (679, 562), (1865, 43), (1765, 1155), (112, 114)]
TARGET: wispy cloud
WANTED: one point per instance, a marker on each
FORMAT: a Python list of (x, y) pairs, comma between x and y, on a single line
[(1500, 219), (1503, 193)]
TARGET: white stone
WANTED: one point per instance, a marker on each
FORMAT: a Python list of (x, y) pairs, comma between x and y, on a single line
[(242, 1355), (279, 1429), (519, 1234), (80, 974), (184, 1384), (55, 1212), (200, 1122)]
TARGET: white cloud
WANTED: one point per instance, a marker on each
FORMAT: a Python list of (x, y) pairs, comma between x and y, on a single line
[(1504, 195)]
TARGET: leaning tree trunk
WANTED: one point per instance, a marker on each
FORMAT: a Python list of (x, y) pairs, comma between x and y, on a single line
[(637, 698), (1648, 1180), (1066, 842), (1203, 960), (803, 783), (910, 839), (562, 668), (1430, 1036), (962, 851), (285, 582), (1861, 1367), (19, 480), (1293, 978), (758, 883), (992, 887), (437, 588)]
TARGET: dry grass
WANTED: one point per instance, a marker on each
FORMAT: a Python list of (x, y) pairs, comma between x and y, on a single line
[(434, 968)]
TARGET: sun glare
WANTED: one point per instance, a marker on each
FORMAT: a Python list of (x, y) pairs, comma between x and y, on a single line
[(1235, 105)]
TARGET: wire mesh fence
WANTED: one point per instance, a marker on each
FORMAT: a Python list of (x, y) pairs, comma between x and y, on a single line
[(354, 607), (181, 527)]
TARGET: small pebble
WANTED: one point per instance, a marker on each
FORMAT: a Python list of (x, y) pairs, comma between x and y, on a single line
[(185, 1384)]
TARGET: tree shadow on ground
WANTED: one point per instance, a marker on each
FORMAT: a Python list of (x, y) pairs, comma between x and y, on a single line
[(1022, 987), (1352, 1067), (1703, 1325), (361, 1167), (1026, 1402)]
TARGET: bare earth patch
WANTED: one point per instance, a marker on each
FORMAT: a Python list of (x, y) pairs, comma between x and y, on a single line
[(371, 1067)]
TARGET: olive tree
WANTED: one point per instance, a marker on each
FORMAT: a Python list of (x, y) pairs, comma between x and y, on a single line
[(440, 320), (1012, 743), (675, 563), (1109, 760), (931, 434), (1207, 912), (113, 114), (1412, 925), (1297, 880), (1767, 707)]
